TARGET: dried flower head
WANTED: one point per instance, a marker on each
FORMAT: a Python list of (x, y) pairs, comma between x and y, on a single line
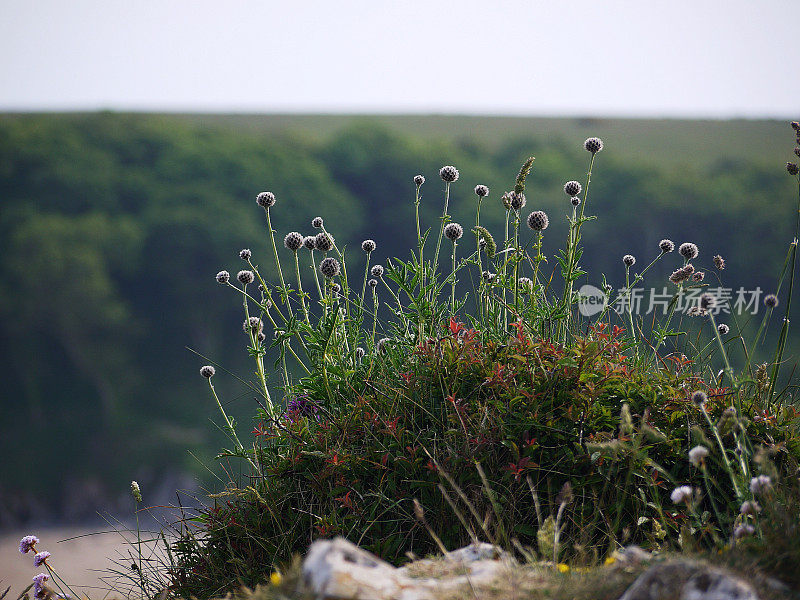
[(265, 199), (448, 173), (575, 201), (792, 168), (696, 311), (316, 222), (707, 301), (697, 455), (699, 276), (719, 262), (517, 201), (593, 145), (506, 200), (688, 250), (28, 543), (136, 491), (572, 188), (207, 371), (723, 329), (323, 242), (525, 283), (538, 220), (293, 241), (253, 324), (666, 246), (245, 254), (360, 351), (453, 231), (381, 345), (329, 267), (680, 275), (761, 484), (750, 507), (481, 191), (629, 260), (223, 277), (419, 180), (308, 242), (245, 277), (372, 283), (681, 494), (41, 557), (368, 245), (771, 301), (376, 271), (699, 398)]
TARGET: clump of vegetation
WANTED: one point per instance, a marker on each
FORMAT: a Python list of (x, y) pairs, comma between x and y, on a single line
[(427, 403)]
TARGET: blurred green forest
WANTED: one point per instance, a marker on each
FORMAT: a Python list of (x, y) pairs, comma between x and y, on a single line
[(113, 226)]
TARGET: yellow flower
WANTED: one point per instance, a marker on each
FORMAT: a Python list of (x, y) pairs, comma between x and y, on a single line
[(562, 568), (610, 560), (276, 578)]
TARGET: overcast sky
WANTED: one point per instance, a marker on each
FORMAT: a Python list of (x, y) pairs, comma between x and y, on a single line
[(558, 57)]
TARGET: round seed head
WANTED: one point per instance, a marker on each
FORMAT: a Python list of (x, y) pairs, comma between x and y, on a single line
[(593, 145), (629, 260), (360, 351), (323, 242), (538, 220), (682, 494), (575, 201), (666, 246), (689, 269), (771, 301), (207, 371), (253, 324), (376, 271), (448, 173), (261, 336), (699, 398), (699, 276), (792, 168), (697, 455), (723, 329), (517, 201), (679, 276), (336, 289), (368, 245), (308, 242), (572, 188), (265, 199), (316, 222), (329, 267), (419, 180), (750, 507), (707, 301), (453, 231), (245, 254), (223, 277), (688, 250), (245, 277), (293, 241), (382, 344), (372, 283), (506, 200), (743, 530), (482, 191)]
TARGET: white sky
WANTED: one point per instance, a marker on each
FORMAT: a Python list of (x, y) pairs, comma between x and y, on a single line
[(557, 57)]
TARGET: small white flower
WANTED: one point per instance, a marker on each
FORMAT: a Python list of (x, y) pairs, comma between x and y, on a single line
[(682, 494), (760, 484), (136, 491), (697, 455)]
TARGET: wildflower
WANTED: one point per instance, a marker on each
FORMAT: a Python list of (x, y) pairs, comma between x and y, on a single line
[(261, 337), (419, 180), (265, 199), (28, 543), (696, 311), (448, 173), (707, 301), (323, 242), (699, 398), (275, 578), (688, 250), (699, 276), (245, 277), (302, 405), (316, 222), (308, 242), (329, 267), (697, 455), (372, 283), (610, 560), (453, 231), (38, 584), (719, 262), (750, 507), (40, 558), (368, 245), (360, 351), (797, 151), (223, 277), (563, 568), (795, 126), (208, 372), (723, 329), (593, 145), (482, 191), (538, 220), (506, 200), (254, 324), (517, 201), (629, 260), (727, 421), (572, 188), (525, 282), (376, 271), (666, 246), (245, 254), (381, 344), (682, 494), (136, 491), (743, 530), (293, 241), (336, 288), (771, 301), (575, 201), (792, 168), (761, 484), (488, 276), (482, 244), (681, 275)]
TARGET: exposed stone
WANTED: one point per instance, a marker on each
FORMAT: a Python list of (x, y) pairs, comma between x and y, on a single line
[(688, 580)]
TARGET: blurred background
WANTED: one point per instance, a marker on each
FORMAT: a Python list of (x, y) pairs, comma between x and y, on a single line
[(134, 138)]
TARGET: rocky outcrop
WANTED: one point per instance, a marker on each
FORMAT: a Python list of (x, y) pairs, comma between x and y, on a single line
[(688, 580)]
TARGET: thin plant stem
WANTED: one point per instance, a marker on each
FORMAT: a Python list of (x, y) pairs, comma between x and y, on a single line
[(284, 291)]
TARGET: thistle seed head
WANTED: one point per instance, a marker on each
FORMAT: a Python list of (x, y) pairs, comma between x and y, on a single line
[(792, 168), (448, 173), (253, 324), (575, 201), (572, 188), (688, 250), (453, 231), (372, 283), (223, 277), (679, 276), (771, 301), (538, 220), (682, 494), (697, 455), (376, 271), (368, 245), (245, 277), (593, 145), (481, 191), (506, 200), (316, 222), (666, 246), (293, 241), (329, 267), (699, 398), (245, 254), (629, 260), (207, 371), (517, 201), (699, 276), (323, 242), (360, 351), (419, 180), (723, 329), (265, 199), (308, 242)]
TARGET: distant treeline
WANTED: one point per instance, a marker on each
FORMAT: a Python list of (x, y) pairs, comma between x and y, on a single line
[(113, 226)]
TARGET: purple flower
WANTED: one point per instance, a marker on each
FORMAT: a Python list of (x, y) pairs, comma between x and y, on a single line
[(302, 406), (27, 543), (40, 557), (38, 584)]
